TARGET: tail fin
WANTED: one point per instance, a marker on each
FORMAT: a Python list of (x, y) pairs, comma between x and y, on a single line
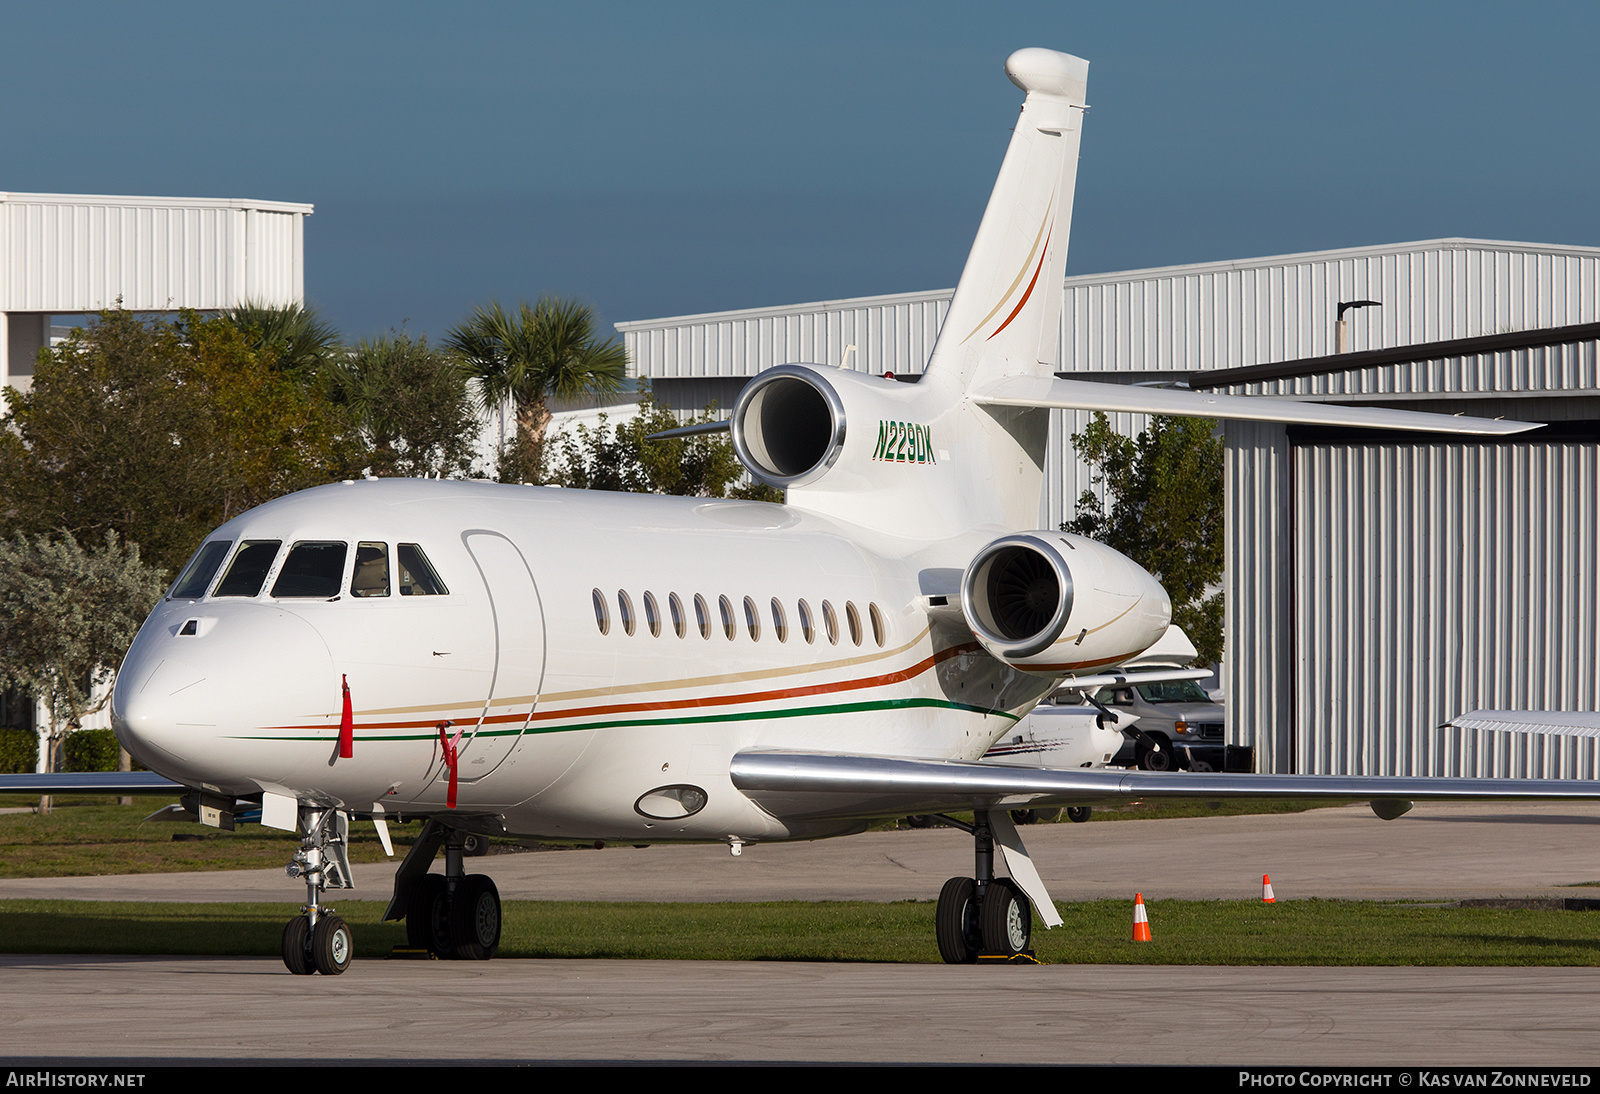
[(1006, 311)]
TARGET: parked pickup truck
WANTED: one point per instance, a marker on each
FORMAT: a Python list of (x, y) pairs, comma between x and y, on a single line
[(1180, 726)]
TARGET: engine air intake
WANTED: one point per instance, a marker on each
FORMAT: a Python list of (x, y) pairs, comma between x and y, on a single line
[(788, 426), (1017, 595)]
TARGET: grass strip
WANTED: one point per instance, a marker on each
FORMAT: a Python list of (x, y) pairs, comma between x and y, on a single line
[(88, 836), (1300, 932)]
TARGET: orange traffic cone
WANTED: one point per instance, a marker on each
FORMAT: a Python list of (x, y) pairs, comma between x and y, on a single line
[(1141, 922), (1266, 890)]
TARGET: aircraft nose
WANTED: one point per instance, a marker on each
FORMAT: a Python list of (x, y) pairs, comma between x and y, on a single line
[(201, 680)]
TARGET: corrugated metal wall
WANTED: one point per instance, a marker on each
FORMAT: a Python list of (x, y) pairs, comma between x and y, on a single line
[(1226, 315), (1433, 579), (890, 333), (70, 253)]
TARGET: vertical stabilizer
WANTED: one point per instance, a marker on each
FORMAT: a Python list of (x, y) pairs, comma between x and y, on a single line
[(1006, 310)]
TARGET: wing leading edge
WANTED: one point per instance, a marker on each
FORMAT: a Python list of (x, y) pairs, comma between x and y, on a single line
[(91, 782), (814, 785)]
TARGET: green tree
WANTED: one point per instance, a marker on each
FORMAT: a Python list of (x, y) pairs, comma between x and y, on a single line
[(160, 430), (67, 616), (1166, 490), (290, 335), (620, 457), (607, 457), (548, 349), (412, 405)]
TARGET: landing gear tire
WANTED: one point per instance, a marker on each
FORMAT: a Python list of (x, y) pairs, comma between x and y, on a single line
[(474, 845), (427, 915), (1024, 816), (920, 820), (1077, 814), (1157, 756), (1006, 919), (332, 947), (475, 919), (956, 922), (297, 946)]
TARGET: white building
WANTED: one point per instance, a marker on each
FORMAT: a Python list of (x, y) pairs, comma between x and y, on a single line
[(66, 254), (1377, 586)]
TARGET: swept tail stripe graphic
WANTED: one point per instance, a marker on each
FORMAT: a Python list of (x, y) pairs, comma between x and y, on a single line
[(1022, 270), (1023, 302), (895, 677)]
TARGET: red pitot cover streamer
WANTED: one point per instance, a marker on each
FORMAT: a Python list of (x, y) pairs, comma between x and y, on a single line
[(347, 724), (448, 746)]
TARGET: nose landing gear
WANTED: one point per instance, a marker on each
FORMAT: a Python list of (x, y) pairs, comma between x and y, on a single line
[(317, 940)]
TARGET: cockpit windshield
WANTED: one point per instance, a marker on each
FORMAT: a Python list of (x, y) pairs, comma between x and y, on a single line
[(196, 577), (312, 570), (250, 568)]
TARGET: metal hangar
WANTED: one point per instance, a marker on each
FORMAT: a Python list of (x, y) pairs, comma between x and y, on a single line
[(1377, 586)]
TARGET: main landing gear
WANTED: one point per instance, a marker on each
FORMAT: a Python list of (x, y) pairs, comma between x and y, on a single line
[(982, 916), (454, 914), (317, 940)]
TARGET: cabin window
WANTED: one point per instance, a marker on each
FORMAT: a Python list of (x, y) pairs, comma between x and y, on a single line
[(808, 628), (752, 619), (853, 617), (602, 614), (780, 622), (196, 578), (652, 615), (312, 571), (880, 628), (625, 612), (702, 616), (728, 627), (371, 575), (830, 622), (416, 573), (249, 569), (675, 606)]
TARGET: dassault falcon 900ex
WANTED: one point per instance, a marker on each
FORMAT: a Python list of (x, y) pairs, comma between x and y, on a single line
[(594, 666)]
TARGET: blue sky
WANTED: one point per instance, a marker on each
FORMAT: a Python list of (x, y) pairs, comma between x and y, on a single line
[(659, 159)]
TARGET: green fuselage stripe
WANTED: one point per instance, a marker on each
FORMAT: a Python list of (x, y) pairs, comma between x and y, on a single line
[(699, 719)]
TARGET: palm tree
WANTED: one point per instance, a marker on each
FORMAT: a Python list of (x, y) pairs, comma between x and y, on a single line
[(544, 350), (299, 342)]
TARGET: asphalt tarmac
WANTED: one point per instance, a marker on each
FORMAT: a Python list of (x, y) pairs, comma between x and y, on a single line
[(187, 1009)]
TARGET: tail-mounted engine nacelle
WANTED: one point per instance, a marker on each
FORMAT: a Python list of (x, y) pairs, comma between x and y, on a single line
[(788, 426), (1057, 604)]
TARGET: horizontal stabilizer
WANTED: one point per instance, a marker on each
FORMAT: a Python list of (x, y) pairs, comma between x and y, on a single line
[(1124, 679), (1126, 399), (90, 782), (1566, 723)]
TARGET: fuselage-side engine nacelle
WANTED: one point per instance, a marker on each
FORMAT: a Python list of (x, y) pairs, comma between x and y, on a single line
[(789, 426), (1057, 604)]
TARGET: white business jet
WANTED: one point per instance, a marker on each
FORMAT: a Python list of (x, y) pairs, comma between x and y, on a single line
[(595, 666)]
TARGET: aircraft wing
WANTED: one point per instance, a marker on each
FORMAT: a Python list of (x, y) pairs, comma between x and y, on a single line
[(1565, 723), (91, 782), (817, 785), (1129, 399)]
